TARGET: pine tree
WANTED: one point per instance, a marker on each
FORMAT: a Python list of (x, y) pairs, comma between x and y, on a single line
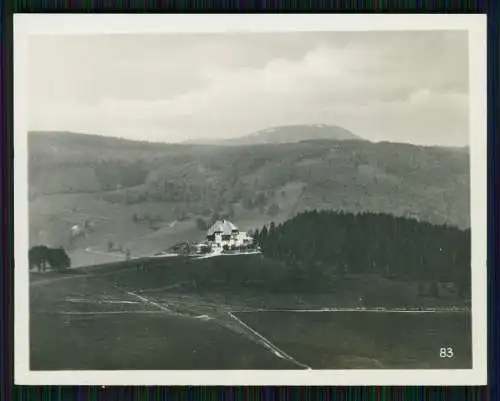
[(263, 237)]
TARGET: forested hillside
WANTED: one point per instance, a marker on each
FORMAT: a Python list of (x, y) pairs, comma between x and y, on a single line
[(148, 196), (431, 184), (320, 244)]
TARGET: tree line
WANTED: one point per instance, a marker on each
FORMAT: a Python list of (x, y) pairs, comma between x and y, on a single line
[(328, 242), (42, 257)]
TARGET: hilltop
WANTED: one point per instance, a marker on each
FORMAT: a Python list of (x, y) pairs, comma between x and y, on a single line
[(285, 134)]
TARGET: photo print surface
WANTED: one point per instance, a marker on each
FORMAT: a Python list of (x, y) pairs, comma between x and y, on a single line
[(289, 203)]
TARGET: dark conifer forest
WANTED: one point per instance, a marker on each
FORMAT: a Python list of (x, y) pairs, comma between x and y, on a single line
[(320, 243)]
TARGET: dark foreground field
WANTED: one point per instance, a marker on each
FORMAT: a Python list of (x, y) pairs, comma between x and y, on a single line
[(118, 318), (368, 340), (87, 324)]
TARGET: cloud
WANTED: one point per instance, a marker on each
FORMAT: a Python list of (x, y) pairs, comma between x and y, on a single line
[(407, 88)]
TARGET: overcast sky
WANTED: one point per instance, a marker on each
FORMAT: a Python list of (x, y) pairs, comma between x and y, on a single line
[(395, 86)]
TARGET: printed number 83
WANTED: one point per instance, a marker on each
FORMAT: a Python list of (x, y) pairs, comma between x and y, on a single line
[(446, 352)]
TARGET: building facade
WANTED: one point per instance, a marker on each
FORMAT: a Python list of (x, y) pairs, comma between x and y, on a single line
[(224, 233)]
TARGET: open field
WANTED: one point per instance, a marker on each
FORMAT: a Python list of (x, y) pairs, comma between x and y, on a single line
[(368, 340), (87, 324), (182, 313)]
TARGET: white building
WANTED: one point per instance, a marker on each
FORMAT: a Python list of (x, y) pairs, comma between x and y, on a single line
[(223, 232)]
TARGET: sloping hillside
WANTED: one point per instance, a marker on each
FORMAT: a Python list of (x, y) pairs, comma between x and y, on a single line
[(154, 193)]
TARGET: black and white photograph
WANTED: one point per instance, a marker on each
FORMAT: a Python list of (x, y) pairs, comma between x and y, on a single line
[(247, 196)]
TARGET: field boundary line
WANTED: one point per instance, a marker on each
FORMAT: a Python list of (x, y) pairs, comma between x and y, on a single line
[(76, 313), (269, 345), (100, 301), (167, 287), (149, 302), (372, 310)]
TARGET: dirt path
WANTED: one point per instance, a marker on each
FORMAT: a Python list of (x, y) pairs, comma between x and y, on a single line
[(114, 254), (259, 338)]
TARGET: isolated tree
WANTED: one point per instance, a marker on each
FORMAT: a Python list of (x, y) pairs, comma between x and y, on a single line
[(58, 259), (42, 256), (255, 238), (38, 257), (263, 237)]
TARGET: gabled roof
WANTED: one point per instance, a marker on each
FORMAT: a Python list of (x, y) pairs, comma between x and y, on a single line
[(224, 227)]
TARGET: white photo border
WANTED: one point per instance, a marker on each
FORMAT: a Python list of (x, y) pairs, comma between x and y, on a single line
[(85, 24)]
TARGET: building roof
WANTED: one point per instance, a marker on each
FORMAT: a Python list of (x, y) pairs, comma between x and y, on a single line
[(225, 227)]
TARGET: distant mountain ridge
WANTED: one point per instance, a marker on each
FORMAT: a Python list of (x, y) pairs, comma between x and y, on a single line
[(285, 134)]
